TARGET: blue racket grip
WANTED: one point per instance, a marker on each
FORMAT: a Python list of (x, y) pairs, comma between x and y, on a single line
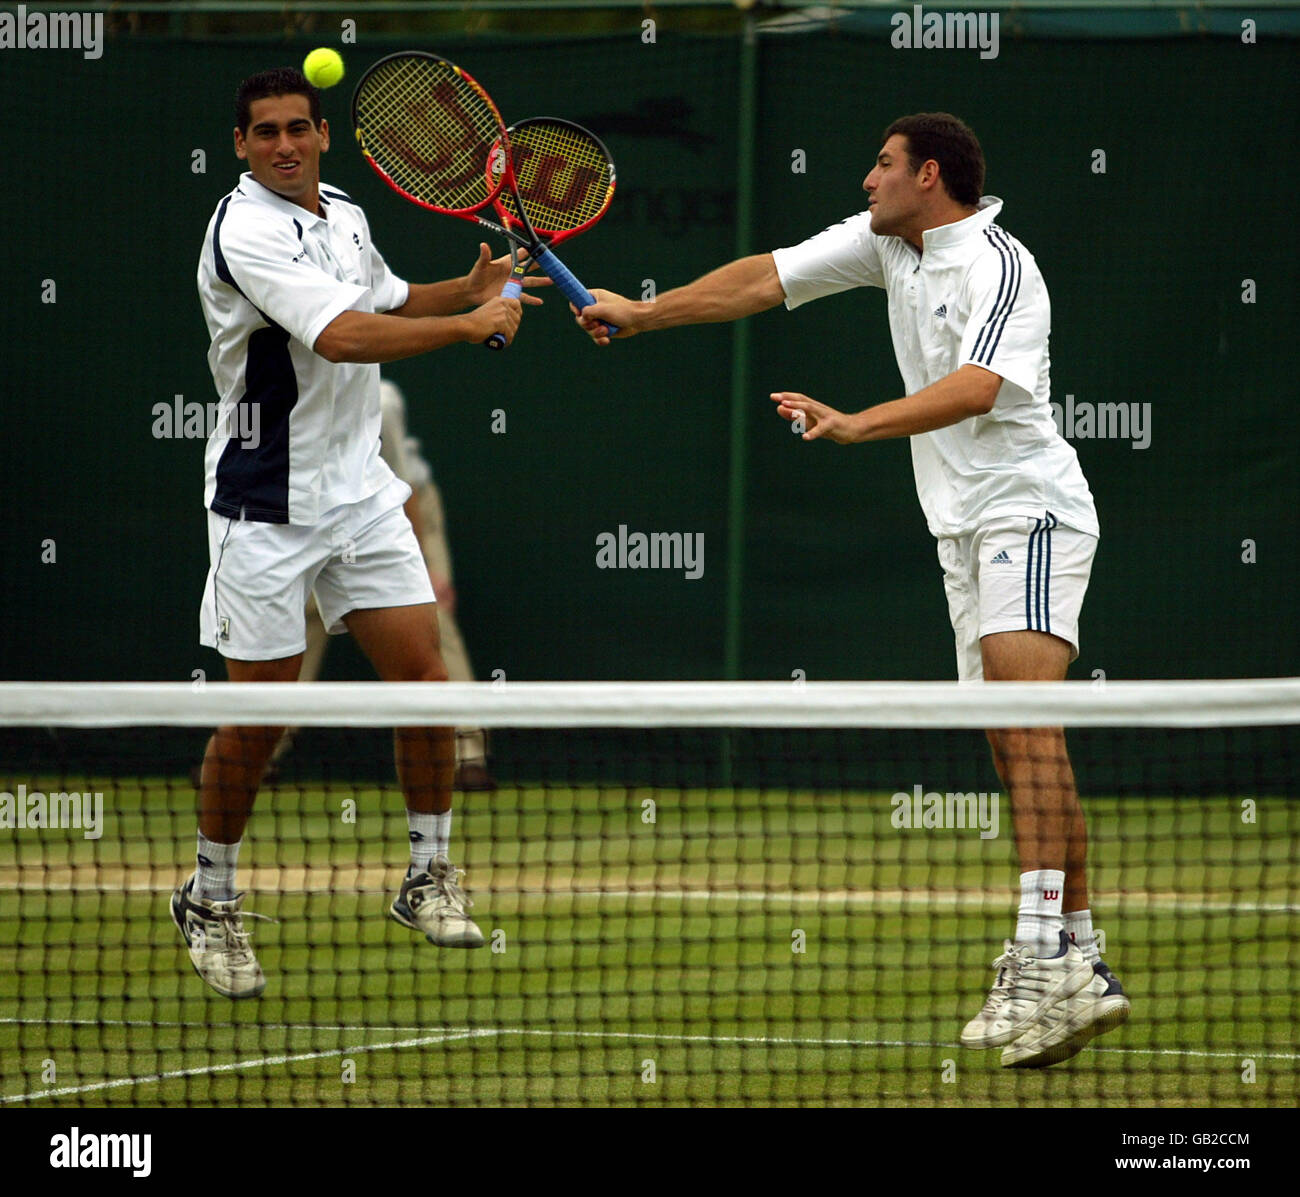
[(570, 288), (511, 290)]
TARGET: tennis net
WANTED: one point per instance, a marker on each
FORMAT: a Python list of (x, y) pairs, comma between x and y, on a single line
[(688, 894)]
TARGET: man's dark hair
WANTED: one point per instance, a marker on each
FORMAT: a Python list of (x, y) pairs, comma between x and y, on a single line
[(950, 142), (283, 81)]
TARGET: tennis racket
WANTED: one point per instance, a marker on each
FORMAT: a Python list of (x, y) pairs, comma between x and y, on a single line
[(551, 179), (428, 128)]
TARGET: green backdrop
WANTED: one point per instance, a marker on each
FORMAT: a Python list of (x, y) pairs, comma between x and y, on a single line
[(1145, 265)]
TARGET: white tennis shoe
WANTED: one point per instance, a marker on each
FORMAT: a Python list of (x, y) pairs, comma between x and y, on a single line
[(1069, 1026), (433, 902), (1026, 987), (219, 946)]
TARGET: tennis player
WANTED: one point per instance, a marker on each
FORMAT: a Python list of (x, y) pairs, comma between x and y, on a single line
[(1002, 493), (300, 306)]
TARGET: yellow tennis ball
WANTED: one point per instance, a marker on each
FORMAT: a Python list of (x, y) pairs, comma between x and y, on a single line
[(323, 67)]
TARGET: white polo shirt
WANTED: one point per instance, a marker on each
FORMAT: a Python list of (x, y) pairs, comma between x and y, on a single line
[(974, 295), (271, 276)]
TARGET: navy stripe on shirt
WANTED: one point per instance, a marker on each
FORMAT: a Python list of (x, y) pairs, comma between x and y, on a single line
[(1008, 290), (253, 483), (996, 234)]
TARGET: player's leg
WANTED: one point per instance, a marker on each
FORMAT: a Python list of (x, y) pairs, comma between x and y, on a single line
[(235, 760), (1039, 579), (1045, 811), (998, 581), (207, 909), (1041, 967), (402, 644), (252, 612), (1063, 1029), (380, 591), (958, 556)]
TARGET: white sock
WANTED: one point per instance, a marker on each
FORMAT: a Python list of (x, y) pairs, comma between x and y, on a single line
[(1078, 926), (442, 836), (423, 833), (1039, 922), (430, 836), (215, 879)]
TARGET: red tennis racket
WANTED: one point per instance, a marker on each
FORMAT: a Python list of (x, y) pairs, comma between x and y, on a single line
[(552, 179), (433, 134)]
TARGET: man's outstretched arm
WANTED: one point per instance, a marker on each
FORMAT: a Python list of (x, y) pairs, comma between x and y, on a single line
[(968, 391), (740, 288)]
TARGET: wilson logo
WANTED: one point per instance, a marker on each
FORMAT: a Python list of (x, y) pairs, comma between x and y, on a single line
[(541, 179), (1050, 895), (458, 149)]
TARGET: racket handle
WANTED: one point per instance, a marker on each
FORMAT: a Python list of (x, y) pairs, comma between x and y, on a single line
[(570, 288), (511, 290)]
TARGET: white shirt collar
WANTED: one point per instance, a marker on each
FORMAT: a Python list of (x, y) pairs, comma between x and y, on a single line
[(264, 195), (960, 230)]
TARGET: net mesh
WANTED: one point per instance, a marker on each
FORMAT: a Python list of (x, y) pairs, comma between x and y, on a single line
[(427, 126), (687, 895)]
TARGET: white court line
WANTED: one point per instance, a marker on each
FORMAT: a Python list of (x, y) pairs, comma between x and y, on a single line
[(241, 1065), (993, 901), (551, 1033), (390, 1028), (780, 1042)]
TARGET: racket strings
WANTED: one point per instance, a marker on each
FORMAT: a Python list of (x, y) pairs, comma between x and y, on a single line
[(429, 128), (565, 178)]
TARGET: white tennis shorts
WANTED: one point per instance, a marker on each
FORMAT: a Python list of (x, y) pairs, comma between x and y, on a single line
[(358, 556), (1015, 575)]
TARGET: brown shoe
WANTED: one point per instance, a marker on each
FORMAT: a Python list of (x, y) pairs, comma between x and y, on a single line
[(473, 777)]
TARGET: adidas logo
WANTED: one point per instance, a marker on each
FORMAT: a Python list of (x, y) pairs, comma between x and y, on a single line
[(1001, 559), (941, 311)]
